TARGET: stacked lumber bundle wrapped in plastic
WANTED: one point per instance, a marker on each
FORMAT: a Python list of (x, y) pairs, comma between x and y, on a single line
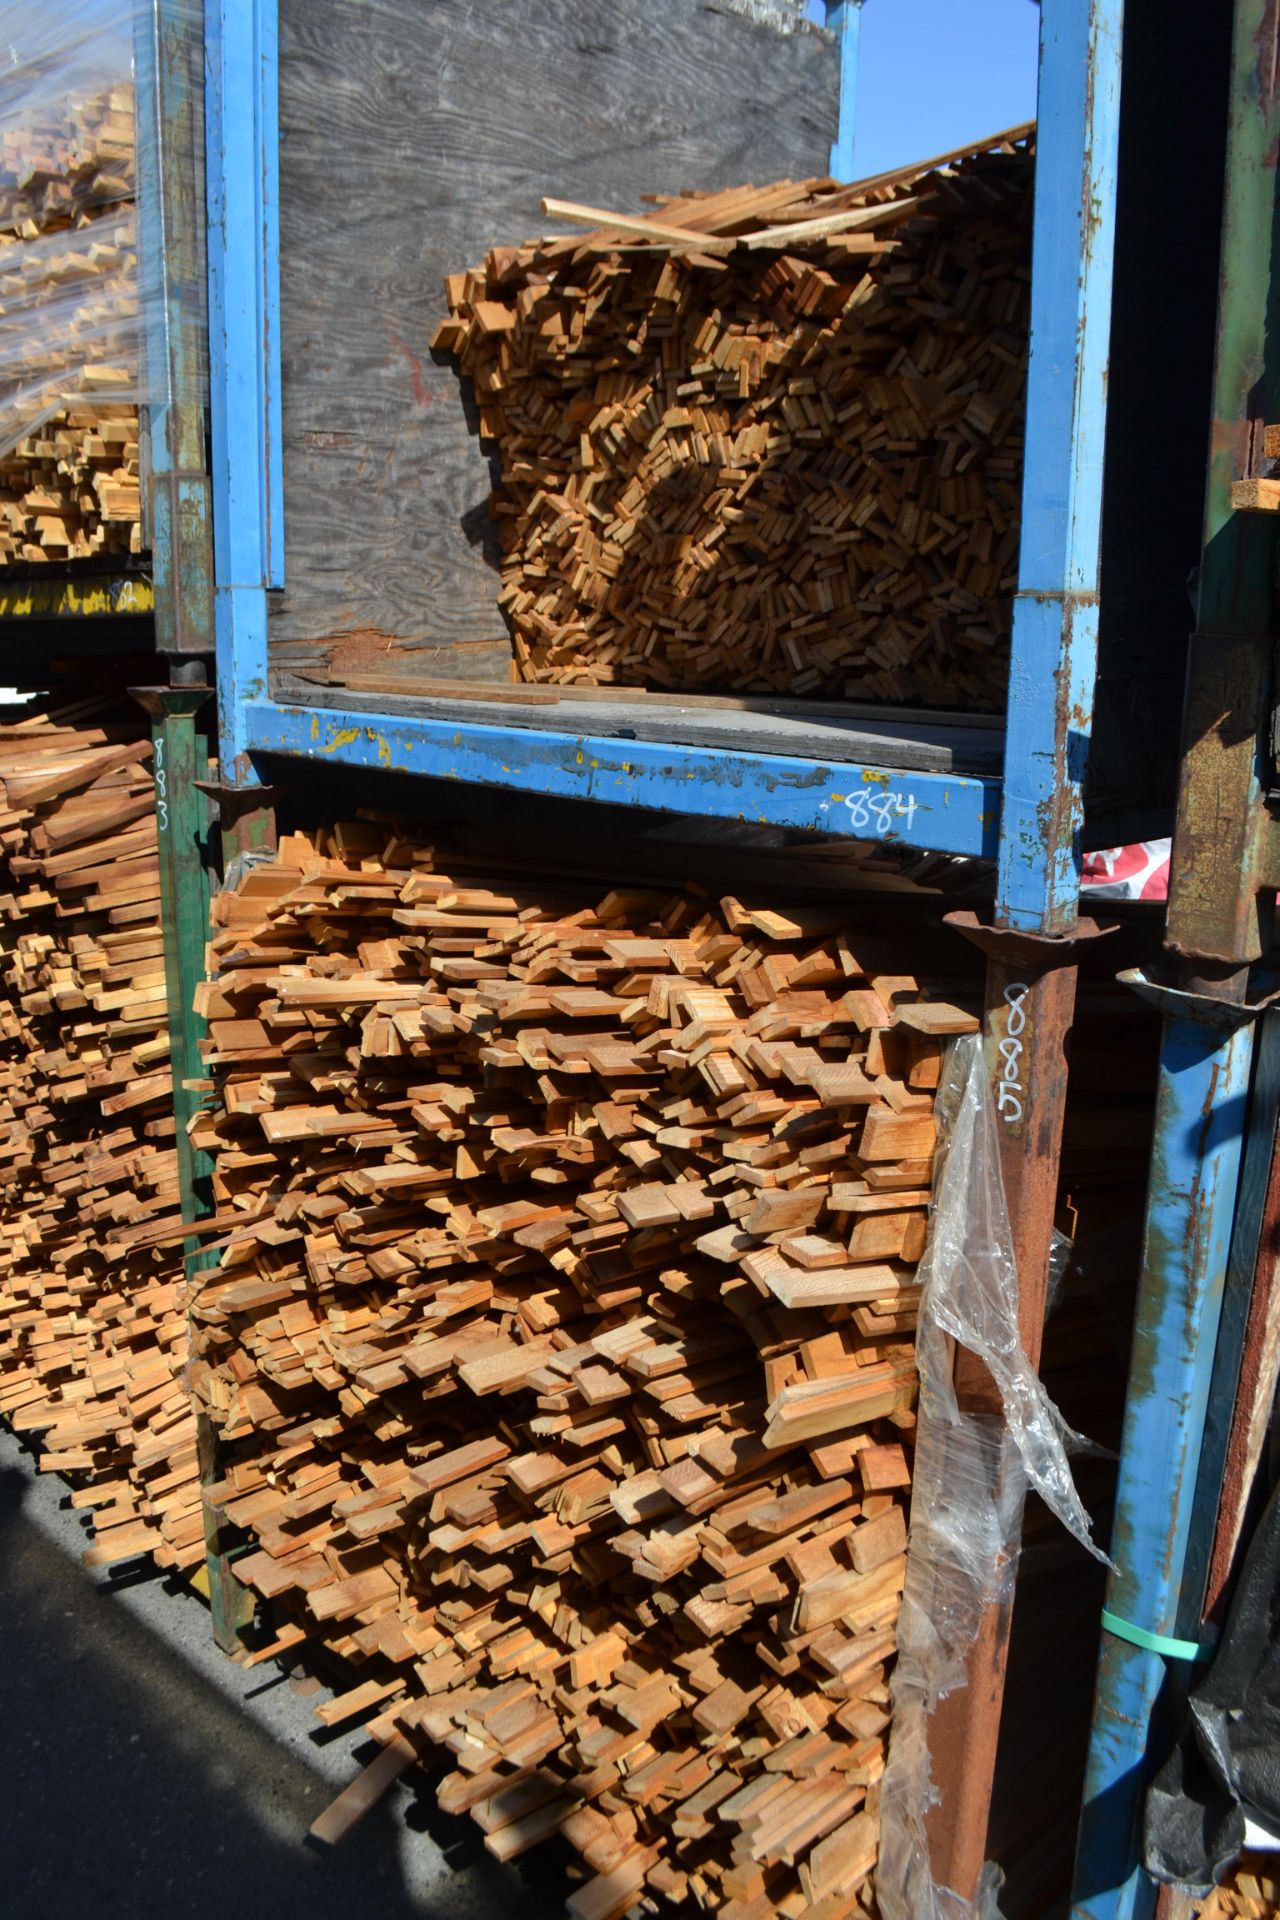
[(70, 350), (766, 440), (92, 1295), (561, 1345)]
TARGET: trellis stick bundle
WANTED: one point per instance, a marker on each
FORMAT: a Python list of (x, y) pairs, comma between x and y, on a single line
[(69, 332), (1250, 1891), (92, 1296), (782, 455), (561, 1343)]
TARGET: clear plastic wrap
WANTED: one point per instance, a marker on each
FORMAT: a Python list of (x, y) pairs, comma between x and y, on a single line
[(70, 308), (75, 302), (64, 50), (971, 1476)]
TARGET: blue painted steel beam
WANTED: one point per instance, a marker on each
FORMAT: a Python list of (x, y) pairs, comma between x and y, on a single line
[(945, 813), (1055, 618), (242, 157), (844, 17), (1195, 1171), (1031, 947), (267, 108)]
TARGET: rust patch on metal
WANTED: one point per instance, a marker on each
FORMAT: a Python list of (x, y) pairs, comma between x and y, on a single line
[(1252, 1403), (964, 1729)]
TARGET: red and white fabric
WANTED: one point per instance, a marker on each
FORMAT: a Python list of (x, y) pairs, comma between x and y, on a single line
[(1137, 872)]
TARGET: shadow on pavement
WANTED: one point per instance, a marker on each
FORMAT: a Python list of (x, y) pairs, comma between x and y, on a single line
[(133, 1787)]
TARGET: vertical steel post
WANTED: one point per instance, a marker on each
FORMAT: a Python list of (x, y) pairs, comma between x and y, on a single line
[(242, 160), (184, 911), (1224, 857), (1031, 945), (1030, 1001), (1247, 1358), (844, 17), (182, 832), (1195, 1165), (1247, 1361), (1220, 1490), (168, 62), (243, 266)]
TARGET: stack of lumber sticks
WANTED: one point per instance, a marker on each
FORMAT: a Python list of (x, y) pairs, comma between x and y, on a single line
[(69, 332), (767, 440), (561, 1345), (92, 1294), (1251, 1891)]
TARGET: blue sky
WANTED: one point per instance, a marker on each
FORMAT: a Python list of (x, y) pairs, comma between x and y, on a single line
[(936, 73)]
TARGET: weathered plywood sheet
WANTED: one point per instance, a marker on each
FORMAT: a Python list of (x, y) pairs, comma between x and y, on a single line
[(415, 134)]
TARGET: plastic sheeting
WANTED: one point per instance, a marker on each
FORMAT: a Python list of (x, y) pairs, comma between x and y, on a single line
[(1139, 871), (971, 1477), (784, 16), (74, 301), (59, 50), (68, 246), (70, 312), (1225, 1770)]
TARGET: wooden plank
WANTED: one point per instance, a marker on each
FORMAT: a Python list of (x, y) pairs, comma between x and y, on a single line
[(364, 1792), (1255, 496), (823, 225), (908, 742), (643, 226)]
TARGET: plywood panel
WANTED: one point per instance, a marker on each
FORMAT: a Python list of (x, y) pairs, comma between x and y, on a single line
[(414, 136)]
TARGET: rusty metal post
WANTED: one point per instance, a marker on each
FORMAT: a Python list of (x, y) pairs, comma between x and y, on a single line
[(1248, 1364), (1222, 881), (1030, 1002), (1031, 947)]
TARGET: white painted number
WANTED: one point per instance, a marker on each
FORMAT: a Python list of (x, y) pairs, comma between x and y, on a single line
[(162, 788), (1009, 1085), (880, 810)]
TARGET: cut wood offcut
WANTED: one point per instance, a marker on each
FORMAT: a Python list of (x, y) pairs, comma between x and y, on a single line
[(767, 440), (70, 343), (93, 1328), (561, 1343)]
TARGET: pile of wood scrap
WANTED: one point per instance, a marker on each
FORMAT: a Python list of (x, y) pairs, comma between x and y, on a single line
[(561, 1345), (767, 440), (1251, 1891), (69, 326), (92, 1294)]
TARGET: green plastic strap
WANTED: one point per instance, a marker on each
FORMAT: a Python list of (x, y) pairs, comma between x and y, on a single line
[(1155, 1642)]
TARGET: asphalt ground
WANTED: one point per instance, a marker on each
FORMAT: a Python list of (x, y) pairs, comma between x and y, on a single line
[(147, 1777)]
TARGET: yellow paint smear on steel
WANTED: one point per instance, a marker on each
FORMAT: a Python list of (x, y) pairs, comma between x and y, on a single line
[(53, 599), (342, 737)]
